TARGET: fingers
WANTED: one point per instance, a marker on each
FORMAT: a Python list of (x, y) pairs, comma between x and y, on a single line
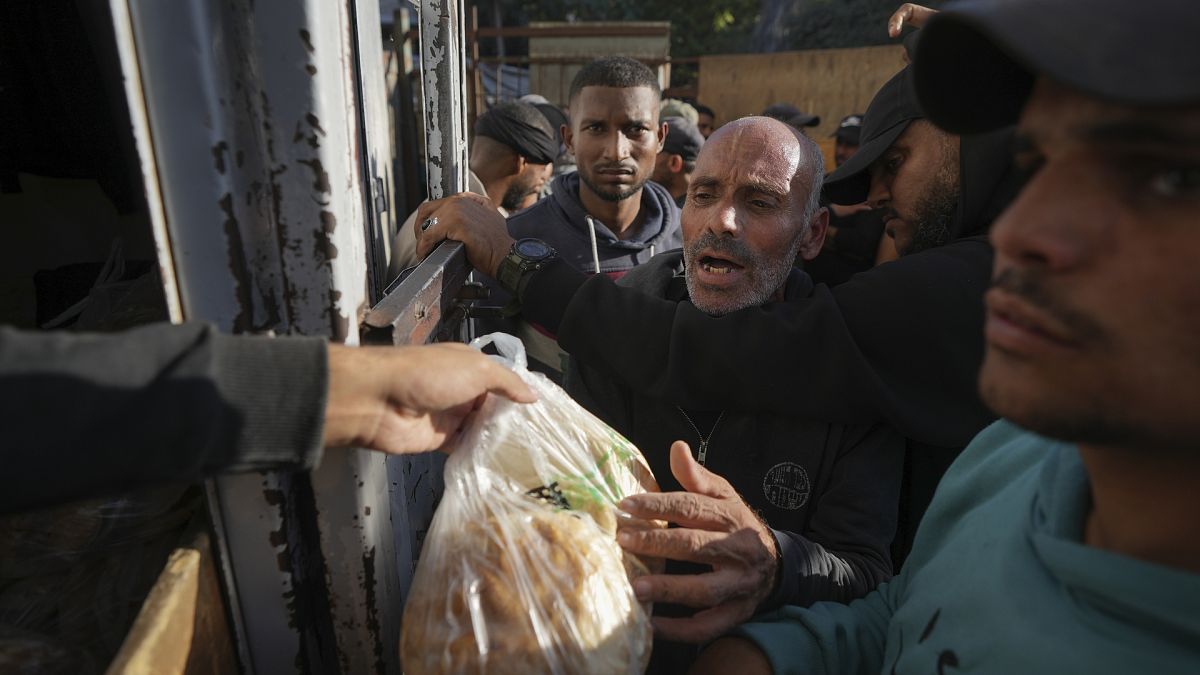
[(469, 218), (896, 23), (702, 546), (695, 478), (693, 590), (684, 509), (499, 380), (447, 212), (908, 14)]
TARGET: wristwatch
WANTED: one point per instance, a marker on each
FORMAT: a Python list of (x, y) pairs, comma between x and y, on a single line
[(524, 258)]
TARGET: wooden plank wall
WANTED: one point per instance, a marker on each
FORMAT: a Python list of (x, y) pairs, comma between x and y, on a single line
[(553, 80), (831, 83)]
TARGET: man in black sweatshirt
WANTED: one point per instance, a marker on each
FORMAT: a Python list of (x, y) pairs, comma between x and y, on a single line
[(827, 492), (899, 343)]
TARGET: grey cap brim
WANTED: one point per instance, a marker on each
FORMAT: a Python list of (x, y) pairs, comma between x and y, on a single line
[(851, 182)]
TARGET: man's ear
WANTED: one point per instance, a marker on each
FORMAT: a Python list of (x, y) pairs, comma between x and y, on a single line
[(814, 239), (675, 163), (520, 164), (568, 137), (662, 135)]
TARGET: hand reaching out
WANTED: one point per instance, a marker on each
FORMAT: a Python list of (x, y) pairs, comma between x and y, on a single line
[(715, 527), (409, 399)]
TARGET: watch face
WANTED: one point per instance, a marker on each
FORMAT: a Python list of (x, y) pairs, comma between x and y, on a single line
[(533, 249)]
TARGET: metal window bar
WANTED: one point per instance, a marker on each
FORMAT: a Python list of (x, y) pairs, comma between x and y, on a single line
[(261, 127)]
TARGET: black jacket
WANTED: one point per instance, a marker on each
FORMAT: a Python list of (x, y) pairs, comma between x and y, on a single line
[(829, 492), (900, 343)]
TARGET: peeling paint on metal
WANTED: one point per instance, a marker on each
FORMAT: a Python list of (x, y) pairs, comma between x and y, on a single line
[(218, 152), (320, 177), (340, 322), (314, 123), (237, 264), (369, 585)]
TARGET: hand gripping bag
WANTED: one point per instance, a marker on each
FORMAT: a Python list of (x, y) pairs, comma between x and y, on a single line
[(521, 571)]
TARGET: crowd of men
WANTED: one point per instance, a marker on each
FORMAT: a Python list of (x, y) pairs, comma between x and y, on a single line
[(1022, 185), (980, 456)]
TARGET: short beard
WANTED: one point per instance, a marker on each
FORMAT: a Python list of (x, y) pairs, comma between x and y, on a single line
[(771, 273), (514, 195), (936, 209), (619, 196)]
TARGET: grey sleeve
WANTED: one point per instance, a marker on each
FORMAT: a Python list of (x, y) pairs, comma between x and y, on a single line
[(87, 414)]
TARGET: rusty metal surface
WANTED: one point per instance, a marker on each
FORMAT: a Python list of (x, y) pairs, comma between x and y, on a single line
[(413, 312), (444, 74), (264, 127)]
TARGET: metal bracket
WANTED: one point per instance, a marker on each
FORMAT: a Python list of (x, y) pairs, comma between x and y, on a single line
[(423, 305)]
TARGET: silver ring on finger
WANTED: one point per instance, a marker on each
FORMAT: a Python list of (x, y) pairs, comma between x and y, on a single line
[(429, 222)]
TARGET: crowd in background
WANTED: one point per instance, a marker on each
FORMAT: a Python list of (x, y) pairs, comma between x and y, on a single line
[(928, 409)]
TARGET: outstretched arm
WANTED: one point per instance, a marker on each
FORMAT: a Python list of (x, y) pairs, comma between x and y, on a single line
[(181, 403), (900, 343)]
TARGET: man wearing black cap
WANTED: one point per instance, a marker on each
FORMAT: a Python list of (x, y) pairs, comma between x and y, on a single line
[(511, 157), (855, 242), (674, 165), (786, 112), (846, 138), (707, 122), (1065, 538)]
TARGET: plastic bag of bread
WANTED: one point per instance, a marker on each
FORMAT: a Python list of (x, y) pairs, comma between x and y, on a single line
[(521, 571)]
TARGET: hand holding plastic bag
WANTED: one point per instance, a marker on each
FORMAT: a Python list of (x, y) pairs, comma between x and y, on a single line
[(521, 572)]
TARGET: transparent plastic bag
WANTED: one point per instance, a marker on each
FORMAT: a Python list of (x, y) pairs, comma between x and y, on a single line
[(521, 571)]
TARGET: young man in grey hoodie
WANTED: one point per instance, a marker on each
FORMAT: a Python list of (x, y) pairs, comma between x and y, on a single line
[(607, 217)]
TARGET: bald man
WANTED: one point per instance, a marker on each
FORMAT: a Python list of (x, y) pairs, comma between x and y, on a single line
[(795, 511)]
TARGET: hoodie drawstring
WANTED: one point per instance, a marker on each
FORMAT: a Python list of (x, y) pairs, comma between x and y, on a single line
[(595, 250)]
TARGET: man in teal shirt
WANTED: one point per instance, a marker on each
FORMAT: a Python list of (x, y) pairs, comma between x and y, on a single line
[(1078, 555)]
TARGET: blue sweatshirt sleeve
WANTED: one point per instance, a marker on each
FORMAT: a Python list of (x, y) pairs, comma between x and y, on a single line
[(828, 637)]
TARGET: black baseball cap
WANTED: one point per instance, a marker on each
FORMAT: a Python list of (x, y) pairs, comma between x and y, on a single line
[(849, 130), (804, 120), (683, 138), (889, 114), (977, 60)]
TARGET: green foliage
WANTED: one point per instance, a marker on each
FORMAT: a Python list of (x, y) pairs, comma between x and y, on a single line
[(702, 27), (698, 27)]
